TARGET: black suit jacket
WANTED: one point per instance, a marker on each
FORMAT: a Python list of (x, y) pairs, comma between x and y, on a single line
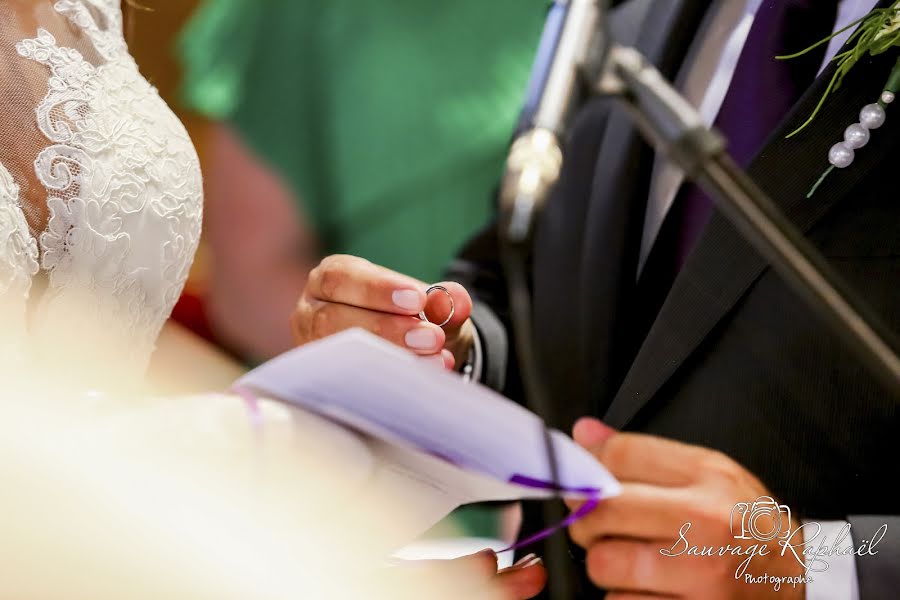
[(733, 360)]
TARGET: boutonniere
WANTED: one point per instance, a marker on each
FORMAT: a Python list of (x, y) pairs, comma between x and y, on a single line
[(877, 33)]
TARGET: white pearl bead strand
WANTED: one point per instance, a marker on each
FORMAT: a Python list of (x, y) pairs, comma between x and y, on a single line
[(872, 116)]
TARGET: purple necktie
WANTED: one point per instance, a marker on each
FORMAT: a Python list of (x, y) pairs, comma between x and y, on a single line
[(762, 92)]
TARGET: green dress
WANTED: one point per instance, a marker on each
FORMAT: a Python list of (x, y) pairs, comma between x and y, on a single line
[(389, 118)]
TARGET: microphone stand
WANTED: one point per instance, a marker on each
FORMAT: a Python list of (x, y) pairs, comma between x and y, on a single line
[(668, 121)]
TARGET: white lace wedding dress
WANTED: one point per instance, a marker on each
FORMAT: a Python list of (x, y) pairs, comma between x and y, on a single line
[(107, 493), (100, 187)]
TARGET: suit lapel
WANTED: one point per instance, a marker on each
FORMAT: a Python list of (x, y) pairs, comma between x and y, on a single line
[(723, 267), (616, 210), (649, 25)]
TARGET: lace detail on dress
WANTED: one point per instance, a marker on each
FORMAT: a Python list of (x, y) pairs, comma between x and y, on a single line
[(18, 250), (123, 186), (18, 264), (109, 41)]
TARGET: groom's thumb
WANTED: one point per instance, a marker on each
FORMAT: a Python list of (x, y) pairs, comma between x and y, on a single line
[(590, 433)]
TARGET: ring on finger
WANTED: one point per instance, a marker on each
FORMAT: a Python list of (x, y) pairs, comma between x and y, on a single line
[(440, 288)]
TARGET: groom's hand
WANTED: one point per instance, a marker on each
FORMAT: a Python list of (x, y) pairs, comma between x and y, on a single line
[(346, 291), (638, 543)]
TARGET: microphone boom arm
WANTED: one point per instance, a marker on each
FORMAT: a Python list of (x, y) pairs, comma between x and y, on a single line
[(668, 121)]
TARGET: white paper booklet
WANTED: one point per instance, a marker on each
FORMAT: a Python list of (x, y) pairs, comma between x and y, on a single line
[(438, 441)]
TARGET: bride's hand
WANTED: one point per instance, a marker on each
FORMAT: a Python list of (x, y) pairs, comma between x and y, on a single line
[(522, 581), (346, 291)]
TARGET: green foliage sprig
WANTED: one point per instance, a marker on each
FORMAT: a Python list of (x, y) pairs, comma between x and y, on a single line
[(878, 31)]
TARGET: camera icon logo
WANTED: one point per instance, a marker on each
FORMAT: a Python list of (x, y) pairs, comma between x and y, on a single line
[(763, 520)]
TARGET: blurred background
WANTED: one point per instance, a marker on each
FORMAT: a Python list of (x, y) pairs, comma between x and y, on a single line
[(373, 129), (377, 129)]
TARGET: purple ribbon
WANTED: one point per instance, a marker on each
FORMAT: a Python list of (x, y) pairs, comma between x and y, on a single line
[(583, 510), (542, 484)]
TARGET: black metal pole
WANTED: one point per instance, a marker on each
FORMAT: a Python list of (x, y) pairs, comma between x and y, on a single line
[(561, 576), (803, 267)]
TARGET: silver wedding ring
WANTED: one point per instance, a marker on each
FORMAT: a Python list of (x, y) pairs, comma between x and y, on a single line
[(440, 288)]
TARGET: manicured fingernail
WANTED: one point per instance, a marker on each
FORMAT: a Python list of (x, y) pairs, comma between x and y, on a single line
[(525, 559), (436, 361), (421, 338), (531, 563), (410, 300), (525, 562)]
